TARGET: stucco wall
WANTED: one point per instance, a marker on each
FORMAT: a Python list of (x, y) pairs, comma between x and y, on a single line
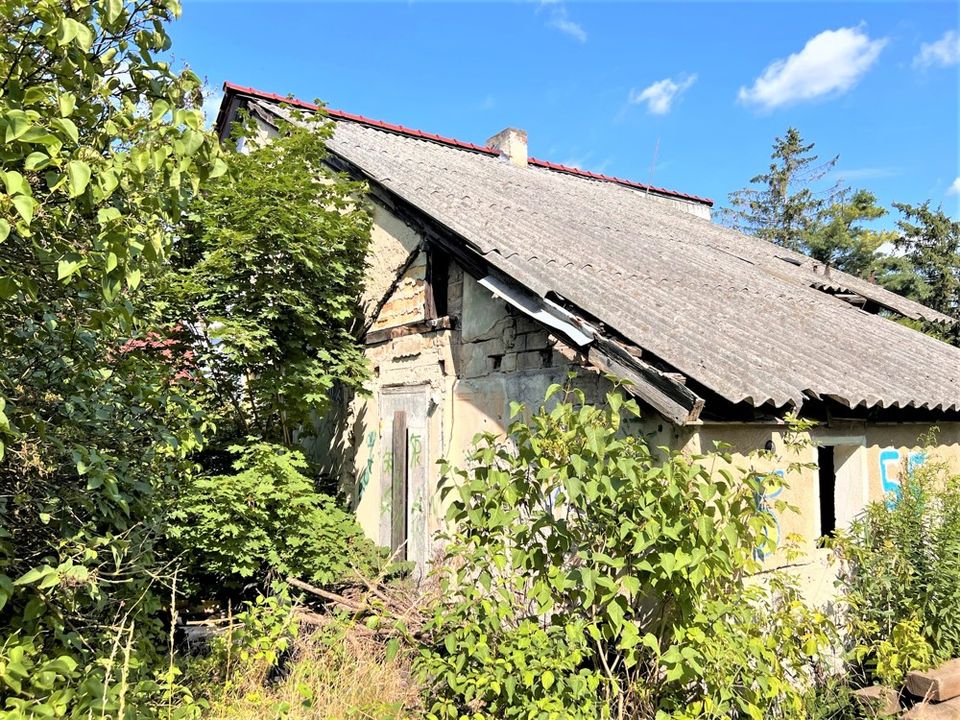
[(456, 382), (871, 460)]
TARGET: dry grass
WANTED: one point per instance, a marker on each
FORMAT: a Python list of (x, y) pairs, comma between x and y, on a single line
[(334, 674)]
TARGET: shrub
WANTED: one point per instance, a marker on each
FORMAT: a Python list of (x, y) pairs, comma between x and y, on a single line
[(267, 520), (901, 580), (591, 576)]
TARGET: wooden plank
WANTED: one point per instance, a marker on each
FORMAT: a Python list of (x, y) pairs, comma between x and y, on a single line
[(375, 337), (398, 506), (675, 402), (949, 710), (878, 701), (937, 685)]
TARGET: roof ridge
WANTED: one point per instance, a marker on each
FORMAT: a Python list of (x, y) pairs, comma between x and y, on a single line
[(453, 142)]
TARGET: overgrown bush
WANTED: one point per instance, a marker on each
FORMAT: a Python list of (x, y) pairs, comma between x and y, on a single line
[(267, 520), (901, 580), (103, 148), (592, 576)]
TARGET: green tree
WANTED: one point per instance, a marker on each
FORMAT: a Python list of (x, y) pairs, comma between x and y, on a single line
[(930, 240), (270, 269), (784, 209), (103, 148), (840, 239), (265, 520)]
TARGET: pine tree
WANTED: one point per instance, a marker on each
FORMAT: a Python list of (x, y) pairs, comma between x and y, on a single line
[(784, 209), (840, 239), (930, 240)]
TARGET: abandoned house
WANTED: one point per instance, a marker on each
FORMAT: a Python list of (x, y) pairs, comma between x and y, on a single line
[(493, 274)]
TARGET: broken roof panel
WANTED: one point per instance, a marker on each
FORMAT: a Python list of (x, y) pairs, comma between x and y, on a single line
[(741, 316)]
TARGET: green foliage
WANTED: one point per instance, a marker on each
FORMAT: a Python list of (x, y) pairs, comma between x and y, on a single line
[(832, 225), (901, 583), (591, 576), (103, 148), (530, 670), (270, 270), (784, 209), (931, 243), (265, 520), (906, 649), (841, 240), (264, 632)]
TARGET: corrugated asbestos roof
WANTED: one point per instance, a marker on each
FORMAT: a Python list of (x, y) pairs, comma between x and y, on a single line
[(749, 320)]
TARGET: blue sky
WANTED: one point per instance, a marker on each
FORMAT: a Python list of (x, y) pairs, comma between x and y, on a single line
[(704, 87)]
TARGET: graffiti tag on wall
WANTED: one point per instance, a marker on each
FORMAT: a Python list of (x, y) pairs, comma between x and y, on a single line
[(890, 467), (415, 450), (368, 470), (764, 505)]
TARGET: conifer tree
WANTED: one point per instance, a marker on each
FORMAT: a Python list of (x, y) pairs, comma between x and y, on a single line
[(784, 209), (840, 238), (930, 240)]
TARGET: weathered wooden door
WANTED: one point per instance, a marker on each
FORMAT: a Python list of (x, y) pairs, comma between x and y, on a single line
[(405, 501)]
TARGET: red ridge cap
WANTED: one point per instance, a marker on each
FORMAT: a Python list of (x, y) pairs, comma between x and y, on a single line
[(619, 181), (342, 115), (411, 132)]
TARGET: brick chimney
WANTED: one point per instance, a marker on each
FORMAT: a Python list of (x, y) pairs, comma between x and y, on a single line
[(512, 144)]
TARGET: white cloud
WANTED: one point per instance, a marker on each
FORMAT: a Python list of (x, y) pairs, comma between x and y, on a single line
[(954, 188), (559, 19), (829, 64), (660, 95), (943, 52)]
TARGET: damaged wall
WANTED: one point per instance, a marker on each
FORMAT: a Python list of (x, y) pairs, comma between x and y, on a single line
[(452, 380)]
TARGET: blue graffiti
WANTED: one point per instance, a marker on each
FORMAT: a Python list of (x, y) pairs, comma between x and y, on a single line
[(764, 506), (368, 470), (890, 481)]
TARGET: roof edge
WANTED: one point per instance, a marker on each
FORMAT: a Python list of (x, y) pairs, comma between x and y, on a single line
[(230, 88)]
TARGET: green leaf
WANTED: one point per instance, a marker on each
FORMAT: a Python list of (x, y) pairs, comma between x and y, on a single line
[(67, 31), (68, 128), (160, 108), (17, 124), (36, 161), (15, 183), (219, 168), (4, 229), (34, 575), (67, 266), (114, 9), (111, 286), (25, 206), (78, 176), (67, 102), (547, 679), (107, 215), (84, 37)]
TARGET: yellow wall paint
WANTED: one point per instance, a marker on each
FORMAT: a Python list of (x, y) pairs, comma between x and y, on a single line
[(470, 395)]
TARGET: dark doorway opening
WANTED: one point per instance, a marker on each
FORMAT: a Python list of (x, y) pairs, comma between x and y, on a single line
[(828, 490)]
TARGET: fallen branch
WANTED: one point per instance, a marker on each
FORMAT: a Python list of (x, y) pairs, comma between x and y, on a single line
[(329, 596)]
